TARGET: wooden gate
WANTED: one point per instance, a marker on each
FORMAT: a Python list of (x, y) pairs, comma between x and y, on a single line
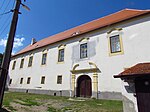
[(142, 87), (84, 88)]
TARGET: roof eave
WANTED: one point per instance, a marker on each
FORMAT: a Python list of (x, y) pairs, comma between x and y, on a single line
[(131, 75), (83, 33)]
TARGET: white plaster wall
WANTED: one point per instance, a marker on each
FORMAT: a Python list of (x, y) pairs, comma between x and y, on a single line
[(135, 37)]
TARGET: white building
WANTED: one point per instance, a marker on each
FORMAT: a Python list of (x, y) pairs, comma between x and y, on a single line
[(83, 60)]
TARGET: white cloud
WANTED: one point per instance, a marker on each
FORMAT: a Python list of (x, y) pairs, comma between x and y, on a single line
[(3, 42), (13, 52), (18, 42)]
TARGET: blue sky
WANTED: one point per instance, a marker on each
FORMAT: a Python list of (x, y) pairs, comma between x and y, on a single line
[(49, 17)]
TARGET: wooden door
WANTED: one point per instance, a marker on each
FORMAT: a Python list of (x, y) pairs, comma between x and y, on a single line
[(142, 86), (84, 88)]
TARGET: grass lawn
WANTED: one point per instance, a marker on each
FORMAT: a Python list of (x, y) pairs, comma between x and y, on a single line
[(26, 102)]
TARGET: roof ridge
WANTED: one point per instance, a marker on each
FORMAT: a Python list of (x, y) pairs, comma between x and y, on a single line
[(92, 21), (84, 24), (137, 9)]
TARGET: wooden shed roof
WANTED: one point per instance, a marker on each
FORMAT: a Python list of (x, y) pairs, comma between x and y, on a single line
[(137, 70)]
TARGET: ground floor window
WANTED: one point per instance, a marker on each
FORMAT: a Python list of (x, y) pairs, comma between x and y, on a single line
[(43, 80), (59, 79), (28, 80), (21, 80), (10, 81)]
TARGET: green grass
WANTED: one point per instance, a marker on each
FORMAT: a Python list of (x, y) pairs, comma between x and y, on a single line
[(60, 104), (51, 109), (28, 102)]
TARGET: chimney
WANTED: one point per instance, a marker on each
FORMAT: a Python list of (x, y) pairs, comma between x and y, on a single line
[(33, 41)]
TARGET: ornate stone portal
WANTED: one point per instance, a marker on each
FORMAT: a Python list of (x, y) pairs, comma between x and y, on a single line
[(93, 70)]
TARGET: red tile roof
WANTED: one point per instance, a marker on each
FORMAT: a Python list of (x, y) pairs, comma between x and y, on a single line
[(93, 25), (139, 69)]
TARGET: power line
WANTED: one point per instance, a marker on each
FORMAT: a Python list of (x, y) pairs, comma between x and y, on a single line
[(5, 13), (2, 4), (13, 6), (5, 22), (7, 19), (5, 8), (5, 28)]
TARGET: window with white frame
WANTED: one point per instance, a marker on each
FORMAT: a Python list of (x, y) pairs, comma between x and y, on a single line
[(10, 81), (22, 63), (14, 65), (43, 80), (59, 79), (115, 45), (21, 80), (83, 51), (44, 56), (28, 80), (30, 61), (61, 55)]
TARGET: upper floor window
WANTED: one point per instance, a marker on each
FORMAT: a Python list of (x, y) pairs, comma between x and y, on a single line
[(44, 56), (61, 55), (28, 80), (115, 44), (59, 79), (43, 80), (115, 41), (22, 63), (14, 64), (30, 61), (61, 52), (83, 50)]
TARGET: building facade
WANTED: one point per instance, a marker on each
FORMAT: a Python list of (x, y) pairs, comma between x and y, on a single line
[(81, 62)]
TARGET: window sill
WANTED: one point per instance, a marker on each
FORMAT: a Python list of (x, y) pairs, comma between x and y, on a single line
[(116, 53), (43, 65), (61, 62)]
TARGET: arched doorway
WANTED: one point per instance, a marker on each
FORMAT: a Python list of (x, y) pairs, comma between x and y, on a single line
[(84, 86)]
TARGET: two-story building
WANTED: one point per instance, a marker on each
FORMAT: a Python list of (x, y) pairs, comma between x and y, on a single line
[(82, 61)]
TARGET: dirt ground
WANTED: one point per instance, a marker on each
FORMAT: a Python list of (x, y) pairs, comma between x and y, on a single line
[(20, 106), (26, 102)]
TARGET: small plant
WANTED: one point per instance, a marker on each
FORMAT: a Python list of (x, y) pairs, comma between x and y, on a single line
[(28, 102), (11, 108), (51, 109)]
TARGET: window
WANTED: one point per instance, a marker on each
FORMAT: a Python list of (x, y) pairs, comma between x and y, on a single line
[(59, 79), (30, 61), (21, 80), (22, 62), (83, 50), (28, 80), (14, 64), (43, 80), (44, 56), (10, 81), (115, 44), (115, 41), (61, 55)]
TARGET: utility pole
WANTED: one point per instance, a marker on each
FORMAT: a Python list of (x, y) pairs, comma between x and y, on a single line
[(8, 50)]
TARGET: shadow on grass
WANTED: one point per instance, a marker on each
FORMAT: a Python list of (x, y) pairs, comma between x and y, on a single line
[(3, 110)]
